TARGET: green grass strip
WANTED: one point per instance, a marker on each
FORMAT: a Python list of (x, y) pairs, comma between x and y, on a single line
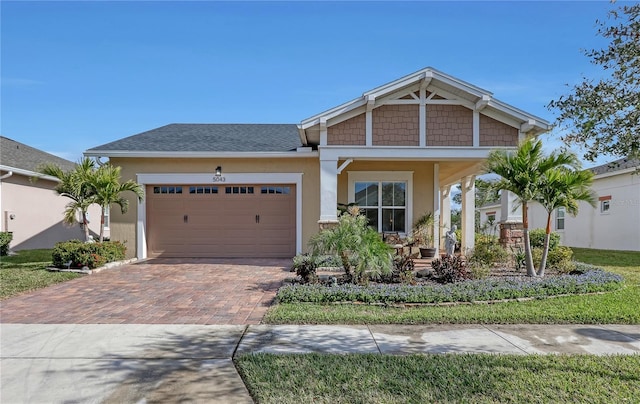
[(447, 378)]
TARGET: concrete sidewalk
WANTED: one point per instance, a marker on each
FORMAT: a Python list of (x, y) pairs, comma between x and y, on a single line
[(169, 363)]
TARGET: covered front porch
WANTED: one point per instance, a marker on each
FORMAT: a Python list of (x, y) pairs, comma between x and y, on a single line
[(393, 193)]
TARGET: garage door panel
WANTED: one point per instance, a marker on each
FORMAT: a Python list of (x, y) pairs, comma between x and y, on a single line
[(235, 224)]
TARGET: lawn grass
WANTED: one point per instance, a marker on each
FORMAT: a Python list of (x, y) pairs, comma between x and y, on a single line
[(619, 307), (27, 271), (442, 378)]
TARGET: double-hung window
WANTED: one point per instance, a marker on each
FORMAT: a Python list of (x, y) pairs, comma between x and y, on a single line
[(384, 200), (560, 213)]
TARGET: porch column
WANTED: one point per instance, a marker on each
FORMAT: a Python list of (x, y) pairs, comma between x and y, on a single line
[(445, 212), (468, 187), (511, 230), (436, 207), (328, 192)]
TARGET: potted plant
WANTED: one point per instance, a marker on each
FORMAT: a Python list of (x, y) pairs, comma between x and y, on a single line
[(423, 235)]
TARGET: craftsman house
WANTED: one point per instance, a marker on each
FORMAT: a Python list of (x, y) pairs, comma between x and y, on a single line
[(229, 190)]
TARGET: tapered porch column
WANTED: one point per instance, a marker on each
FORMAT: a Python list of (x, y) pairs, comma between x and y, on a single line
[(328, 192), (468, 187), (445, 213)]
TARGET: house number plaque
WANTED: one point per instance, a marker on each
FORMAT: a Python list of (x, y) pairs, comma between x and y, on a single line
[(219, 179)]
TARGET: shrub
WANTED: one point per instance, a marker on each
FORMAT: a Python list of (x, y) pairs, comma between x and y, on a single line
[(449, 269), (558, 259), (305, 267), (479, 271), (403, 267), (5, 240), (488, 252), (91, 255), (592, 280), (537, 236)]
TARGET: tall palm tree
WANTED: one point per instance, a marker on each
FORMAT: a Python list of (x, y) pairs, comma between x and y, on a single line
[(563, 187), (521, 172), (108, 191), (75, 185)]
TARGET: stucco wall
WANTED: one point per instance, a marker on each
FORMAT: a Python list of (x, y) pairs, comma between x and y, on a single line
[(449, 125), (38, 213), (619, 229), (396, 125), (123, 227), (422, 181)]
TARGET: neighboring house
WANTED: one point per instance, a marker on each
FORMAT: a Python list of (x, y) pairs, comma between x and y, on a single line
[(30, 208), (614, 224), (230, 190)]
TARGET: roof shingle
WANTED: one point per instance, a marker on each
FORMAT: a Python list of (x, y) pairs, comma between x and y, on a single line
[(179, 137), (19, 155)]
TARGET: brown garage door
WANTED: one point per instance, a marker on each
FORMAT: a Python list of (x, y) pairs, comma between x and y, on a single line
[(221, 220)]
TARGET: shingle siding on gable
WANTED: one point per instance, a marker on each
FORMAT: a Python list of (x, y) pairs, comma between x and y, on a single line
[(495, 133), (449, 125), (396, 125), (349, 132)]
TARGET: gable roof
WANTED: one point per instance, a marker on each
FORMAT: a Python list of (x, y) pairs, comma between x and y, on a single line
[(204, 139), (443, 84), (16, 156), (617, 165)]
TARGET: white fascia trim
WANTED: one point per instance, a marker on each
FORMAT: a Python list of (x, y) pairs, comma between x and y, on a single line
[(197, 154), (330, 113), (145, 179), (28, 173), (407, 152), (614, 173), (517, 113)]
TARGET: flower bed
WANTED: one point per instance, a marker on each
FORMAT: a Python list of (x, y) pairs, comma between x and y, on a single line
[(591, 280)]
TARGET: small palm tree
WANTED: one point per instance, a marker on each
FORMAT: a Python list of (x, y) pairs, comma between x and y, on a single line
[(562, 187), (360, 248), (75, 185), (521, 172), (108, 191)]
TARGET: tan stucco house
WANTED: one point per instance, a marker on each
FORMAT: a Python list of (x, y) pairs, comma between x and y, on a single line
[(229, 190), (31, 209)]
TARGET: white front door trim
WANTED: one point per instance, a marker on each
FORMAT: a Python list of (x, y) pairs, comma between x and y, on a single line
[(145, 179)]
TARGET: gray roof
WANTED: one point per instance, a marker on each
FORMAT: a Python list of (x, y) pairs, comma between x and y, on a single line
[(183, 137), (617, 165), (19, 155)]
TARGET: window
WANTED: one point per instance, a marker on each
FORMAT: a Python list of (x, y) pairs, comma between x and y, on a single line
[(560, 219), (238, 190), (275, 190), (605, 205), (107, 219), (167, 190), (384, 203), (203, 190)]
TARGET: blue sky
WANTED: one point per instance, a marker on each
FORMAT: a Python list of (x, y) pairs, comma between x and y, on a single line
[(80, 74)]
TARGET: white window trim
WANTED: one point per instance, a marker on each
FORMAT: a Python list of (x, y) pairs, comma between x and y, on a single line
[(145, 179), (564, 218), (107, 213), (386, 176), (608, 211)]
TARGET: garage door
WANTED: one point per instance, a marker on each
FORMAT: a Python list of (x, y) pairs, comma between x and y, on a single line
[(221, 220)]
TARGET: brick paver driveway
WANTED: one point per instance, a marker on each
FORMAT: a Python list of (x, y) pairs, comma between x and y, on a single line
[(162, 291)]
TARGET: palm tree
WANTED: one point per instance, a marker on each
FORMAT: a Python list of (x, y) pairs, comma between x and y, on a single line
[(521, 172), (75, 185), (563, 187), (108, 190)]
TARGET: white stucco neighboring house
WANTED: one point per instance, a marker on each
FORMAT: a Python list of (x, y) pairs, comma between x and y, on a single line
[(614, 223), (29, 208)]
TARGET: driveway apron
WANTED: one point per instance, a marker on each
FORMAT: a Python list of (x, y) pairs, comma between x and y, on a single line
[(160, 291)]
